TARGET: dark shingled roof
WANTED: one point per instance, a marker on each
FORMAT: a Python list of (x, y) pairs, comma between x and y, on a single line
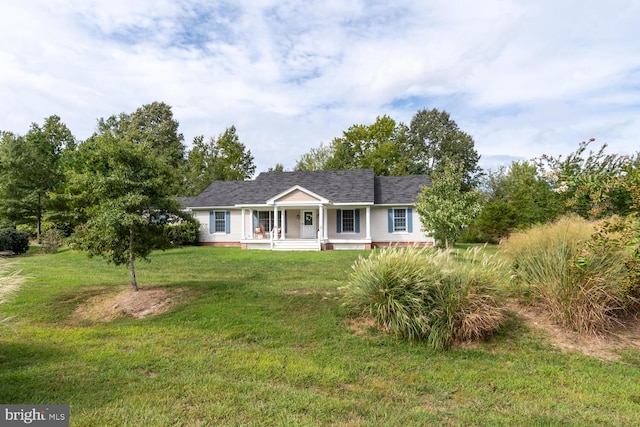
[(399, 189), (339, 186)]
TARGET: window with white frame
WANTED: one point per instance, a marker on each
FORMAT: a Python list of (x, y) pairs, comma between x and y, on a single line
[(219, 222), (348, 221), (399, 220)]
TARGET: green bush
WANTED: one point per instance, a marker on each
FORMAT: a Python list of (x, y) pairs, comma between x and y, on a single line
[(185, 233), (52, 240), (557, 266), (423, 294), (14, 240)]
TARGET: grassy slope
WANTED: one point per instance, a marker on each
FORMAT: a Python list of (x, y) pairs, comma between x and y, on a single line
[(261, 339)]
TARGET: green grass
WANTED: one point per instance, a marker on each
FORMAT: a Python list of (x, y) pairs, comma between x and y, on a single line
[(261, 338)]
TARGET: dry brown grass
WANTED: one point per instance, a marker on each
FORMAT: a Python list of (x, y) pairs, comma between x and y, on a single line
[(553, 265)]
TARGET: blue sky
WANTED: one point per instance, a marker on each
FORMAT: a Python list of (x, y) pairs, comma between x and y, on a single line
[(523, 78)]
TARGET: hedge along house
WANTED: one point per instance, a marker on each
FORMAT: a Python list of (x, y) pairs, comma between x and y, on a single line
[(315, 210)]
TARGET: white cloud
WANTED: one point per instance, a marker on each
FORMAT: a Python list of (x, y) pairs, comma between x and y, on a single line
[(523, 78)]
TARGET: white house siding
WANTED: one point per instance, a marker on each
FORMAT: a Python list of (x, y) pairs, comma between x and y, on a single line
[(380, 228), (294, 223), (235, 231), (332, 225)]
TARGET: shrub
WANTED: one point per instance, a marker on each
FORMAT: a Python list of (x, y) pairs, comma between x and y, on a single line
[(52, 240), (423, 294), (185, 233), (14, 240), (497, 220), (556, 265)]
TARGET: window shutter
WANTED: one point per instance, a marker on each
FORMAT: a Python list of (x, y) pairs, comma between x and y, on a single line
[(390, 220), (357, 220), (227, 222), (212, 223), (255, 219), (285, 222), (339, 221), (409, 220)]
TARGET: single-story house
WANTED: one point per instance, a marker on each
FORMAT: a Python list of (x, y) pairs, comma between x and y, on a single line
[(313, 210)]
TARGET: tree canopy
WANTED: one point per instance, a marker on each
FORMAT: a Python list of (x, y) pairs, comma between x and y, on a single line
[(393, 148), (445, 208), (591, 183), (31, 170), (119, 189), (434, 140), (221, 159)]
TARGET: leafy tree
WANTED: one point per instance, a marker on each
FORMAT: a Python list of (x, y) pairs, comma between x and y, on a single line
[(119, 187), (153, 127), (315, 159), (590, 183), (232, 161), (434, 140), (279, 167), (515, 198), (199, 169), (377, 146), (445, 208), (223, 159), (530, 195), (31, 171), (380, 146), (392, 148)]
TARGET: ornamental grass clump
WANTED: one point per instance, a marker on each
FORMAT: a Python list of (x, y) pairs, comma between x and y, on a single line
[(10, 281), (580, 284), (426, 295), (466, 304)]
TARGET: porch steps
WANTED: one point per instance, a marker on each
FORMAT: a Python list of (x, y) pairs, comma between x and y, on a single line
[(296, 245)]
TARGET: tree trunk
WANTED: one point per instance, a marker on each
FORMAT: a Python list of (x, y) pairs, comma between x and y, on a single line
[(132, 269)]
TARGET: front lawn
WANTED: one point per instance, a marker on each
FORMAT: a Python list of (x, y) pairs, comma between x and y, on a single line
[(261, 338)]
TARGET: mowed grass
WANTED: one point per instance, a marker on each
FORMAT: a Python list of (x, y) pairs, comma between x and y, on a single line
[(261, 338)]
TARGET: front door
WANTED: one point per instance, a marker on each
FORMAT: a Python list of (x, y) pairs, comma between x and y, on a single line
[(308, 225)]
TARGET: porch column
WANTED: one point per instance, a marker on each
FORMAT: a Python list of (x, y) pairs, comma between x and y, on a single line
[(284, 213), (242, 227), (368, 236), (253, 229), (275, 221), (325, 224), (320, 232)]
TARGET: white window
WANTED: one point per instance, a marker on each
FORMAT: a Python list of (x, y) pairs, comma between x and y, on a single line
[(219, 222), (399, 220), (348, 221)]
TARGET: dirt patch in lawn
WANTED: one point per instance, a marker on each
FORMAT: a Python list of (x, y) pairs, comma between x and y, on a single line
[(109, 306), (361, 325), (604, 347)]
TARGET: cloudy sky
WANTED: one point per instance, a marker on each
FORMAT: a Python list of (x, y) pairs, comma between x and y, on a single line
[(524, 78)]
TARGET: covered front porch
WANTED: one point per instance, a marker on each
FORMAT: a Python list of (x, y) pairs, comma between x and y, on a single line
[(299, 220)]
